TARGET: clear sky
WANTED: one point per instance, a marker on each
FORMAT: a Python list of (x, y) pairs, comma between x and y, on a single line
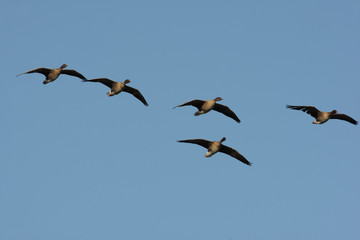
[(77, 164)]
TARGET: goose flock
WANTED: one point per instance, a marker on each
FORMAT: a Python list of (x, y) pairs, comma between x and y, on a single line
[(203, 106)]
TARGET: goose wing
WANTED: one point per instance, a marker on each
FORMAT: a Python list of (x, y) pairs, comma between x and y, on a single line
[(232, 152), (344, 117), (226, 111), (313, 111), (105, 81), (202, 142), (44, 71), (73, 73), (196, 103), (136, 94)]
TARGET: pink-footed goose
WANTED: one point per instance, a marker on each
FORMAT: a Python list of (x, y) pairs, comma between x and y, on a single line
[(323, 117), (214, 147), (52, 74), (118, 87), (205, 106)]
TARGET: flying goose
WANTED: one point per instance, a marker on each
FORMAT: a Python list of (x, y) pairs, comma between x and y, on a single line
[(117, 87), (52, 74), (205, 106), (323, 117), (214, 147)]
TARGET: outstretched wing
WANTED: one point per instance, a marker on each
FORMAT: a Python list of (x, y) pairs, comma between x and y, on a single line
[(44, 71), (202, 142), (313, 111), (232, 152), (196, 103), (344, 117), (105, 81), (136, 94), (73, 73), (226, 111)]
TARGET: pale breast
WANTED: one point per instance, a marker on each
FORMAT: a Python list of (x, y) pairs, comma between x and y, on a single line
[(117, 87), (214, 147), (54, 74), (323, 117), (207, 106)]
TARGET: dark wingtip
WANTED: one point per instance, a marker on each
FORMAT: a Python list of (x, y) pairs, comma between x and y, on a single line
[(176, 106), (145, 103)]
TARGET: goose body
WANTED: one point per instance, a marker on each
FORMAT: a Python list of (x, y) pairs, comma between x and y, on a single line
[(205, 106), (118, 87), (323, 117), (217, 146), (214, 147), (52, 74)]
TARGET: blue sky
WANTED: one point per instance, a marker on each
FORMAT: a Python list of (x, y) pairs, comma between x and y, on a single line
[(78, 164)]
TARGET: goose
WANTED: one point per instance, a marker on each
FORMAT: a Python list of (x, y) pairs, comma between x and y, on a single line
[(323, 117), (52, 74), (214, 147), (118, 87), (205, 106)]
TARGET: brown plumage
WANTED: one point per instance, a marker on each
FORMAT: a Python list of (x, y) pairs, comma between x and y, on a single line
[(118, 87), (205, 106), (52, 74), (323, 117), (214, 147)]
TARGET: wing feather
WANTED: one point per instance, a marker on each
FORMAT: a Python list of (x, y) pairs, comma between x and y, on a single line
[(344, 117), (44, 71), (313, 111), (136, 93), (226, 111), (196, 103), (232, 152), (202, 142), (73, 73), (105, 81)]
